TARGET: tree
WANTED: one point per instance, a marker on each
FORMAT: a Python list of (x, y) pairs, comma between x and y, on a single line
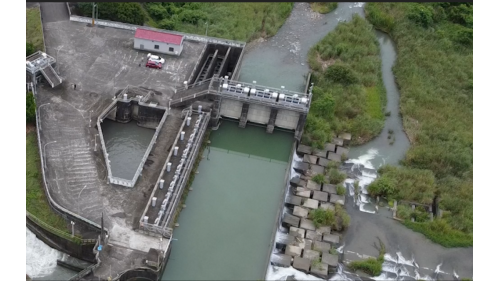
[(30, 108), (30, 49)]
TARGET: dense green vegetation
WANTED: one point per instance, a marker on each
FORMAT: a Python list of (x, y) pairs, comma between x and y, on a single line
[(323, 7), (34, 33), (372, 266), (235, 21), (36, 202), (348, 93), (337, 219), (30, 108), (434, 74)]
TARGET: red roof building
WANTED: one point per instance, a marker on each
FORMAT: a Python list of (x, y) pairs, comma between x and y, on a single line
[(159, 36)]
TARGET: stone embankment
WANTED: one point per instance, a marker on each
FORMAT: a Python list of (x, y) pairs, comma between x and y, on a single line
[(299, 243)]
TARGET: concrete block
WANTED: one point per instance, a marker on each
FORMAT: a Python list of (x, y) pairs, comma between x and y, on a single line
[(320, 270), (302, 192), (301, 167), (311, 204), (321, 153), (295, 181), (327, 206), (313, 235), (293, 251), (307, 224), (312, 185), (324, 229), (300, 212), (281, 260), (299, 232), (317, 169), (330, 147), (308, 244), (301, 264), (331, 238), (342, 150), (323, 162), (330, 188), (332, 260), (293, 200), (320, 196), (311, 254), (337, 142), (334, 198), (311, 159), (346, 137), (304, 149), (334, 157), (291, 220), (321, 246), (285, 239)]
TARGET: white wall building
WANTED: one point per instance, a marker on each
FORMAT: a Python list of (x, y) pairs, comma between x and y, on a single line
[(158, 42)]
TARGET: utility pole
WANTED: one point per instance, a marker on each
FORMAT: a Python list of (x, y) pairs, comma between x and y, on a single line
[(206, 28)]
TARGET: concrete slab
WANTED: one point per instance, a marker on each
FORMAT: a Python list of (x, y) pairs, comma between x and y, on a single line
[(303, 149), (281, 260), (293, 200), (311, 203), (300, 212), (310, 159), (301, 167), (321, 246), (291, 220), (301, 264), (320, 196), (320, 153), (324, 229), (320, 270), (312, 185), (297, 232), (332, 156), (293, 251), (346, 137), (330, 188), (313, 235), (340, 199), (303, 182), (302, 192), (323, 162), (295, 181), (307, 224), (331, 260), (327, 206), (330, 147), (342, 150), (284, 239), (331, 238), (337, 142), (311, 254), (317, 169), (307, 244)]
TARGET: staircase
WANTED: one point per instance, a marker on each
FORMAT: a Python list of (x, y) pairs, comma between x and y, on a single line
[(51, 76)]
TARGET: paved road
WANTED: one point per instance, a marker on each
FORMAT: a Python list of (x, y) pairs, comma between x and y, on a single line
[(53, 12)]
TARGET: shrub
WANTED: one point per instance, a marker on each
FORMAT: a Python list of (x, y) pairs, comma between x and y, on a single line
[(127, 12), (341, 73), (30, 49), (167, 24), (336, 177), (341, 189), (421, 15), (30, 108), (319, 178), (322, 217)]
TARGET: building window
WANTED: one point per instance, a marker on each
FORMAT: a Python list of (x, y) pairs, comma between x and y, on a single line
[(157, 47), (170, 49)]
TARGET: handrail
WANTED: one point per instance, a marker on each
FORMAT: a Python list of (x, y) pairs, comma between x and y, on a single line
[(58, 232)]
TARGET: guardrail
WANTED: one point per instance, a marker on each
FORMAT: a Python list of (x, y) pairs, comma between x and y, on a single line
[(59, 232), (187, 36)]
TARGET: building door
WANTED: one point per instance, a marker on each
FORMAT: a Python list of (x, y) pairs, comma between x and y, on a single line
[(142, 46)]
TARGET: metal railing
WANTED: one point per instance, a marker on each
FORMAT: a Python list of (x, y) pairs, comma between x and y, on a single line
[(90, 268), (37, 61), (59, 232)]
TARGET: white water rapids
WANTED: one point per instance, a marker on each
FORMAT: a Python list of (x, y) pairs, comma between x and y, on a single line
[(41, 260)]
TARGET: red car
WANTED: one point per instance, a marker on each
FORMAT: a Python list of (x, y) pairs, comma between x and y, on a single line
[(153, 64)]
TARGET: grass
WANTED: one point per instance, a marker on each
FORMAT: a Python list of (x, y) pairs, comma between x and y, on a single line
[(435, 78), (319, 178), (372, 266), (338, 218), (34, 32), (348, 93), (36, 201), (323, 7), (439, 231)]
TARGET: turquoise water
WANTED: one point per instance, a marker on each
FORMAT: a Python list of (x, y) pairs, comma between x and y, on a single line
[(227, 227)]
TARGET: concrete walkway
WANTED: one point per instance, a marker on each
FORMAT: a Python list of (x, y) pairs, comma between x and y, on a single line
[(54, 11)]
